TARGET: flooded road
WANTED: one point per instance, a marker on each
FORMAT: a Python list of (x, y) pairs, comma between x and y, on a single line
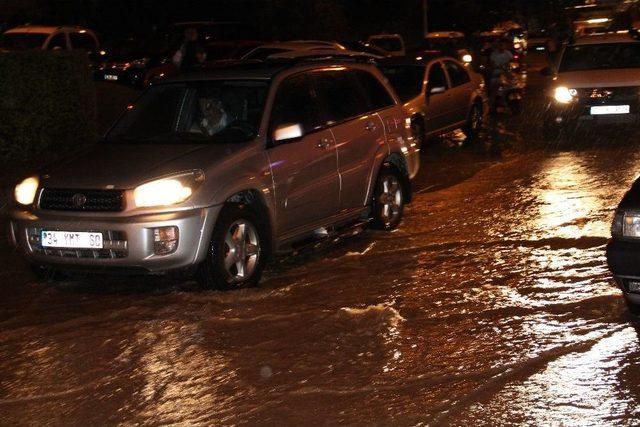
[(491, 304)]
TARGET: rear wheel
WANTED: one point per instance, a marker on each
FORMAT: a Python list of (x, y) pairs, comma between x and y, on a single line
[(237, 252), (388, 200), (475, 121)]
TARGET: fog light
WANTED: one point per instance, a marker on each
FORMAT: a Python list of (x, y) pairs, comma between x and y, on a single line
[(165, 240)]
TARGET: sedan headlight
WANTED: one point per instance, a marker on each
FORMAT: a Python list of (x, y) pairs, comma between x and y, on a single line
[(564, 95), (168, 191), (631, 225), (25, 192)]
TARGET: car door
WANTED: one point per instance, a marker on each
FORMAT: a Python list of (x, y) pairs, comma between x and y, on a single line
[(305, 169), (437, 99), (461, 90), (348, 110)]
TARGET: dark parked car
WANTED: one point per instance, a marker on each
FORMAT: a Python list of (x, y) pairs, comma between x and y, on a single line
[(623, 251)]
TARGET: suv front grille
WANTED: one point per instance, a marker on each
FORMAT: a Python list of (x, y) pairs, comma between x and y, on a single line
[(82, 200), (608, 95)]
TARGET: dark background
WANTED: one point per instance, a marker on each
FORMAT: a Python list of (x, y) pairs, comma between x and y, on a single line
[(283, 19)]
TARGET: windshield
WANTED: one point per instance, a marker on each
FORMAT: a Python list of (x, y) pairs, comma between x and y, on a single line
[(22, 41), (218, 111), (601, 57), (407, 80), (262, 53)]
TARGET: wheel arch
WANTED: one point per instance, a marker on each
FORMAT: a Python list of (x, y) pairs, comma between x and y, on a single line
[(398, 163)]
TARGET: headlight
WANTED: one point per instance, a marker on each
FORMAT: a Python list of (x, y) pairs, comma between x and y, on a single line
[(467, 58), (25, 192), (565, 95), (617, 225), (631, 225), (168, 191)]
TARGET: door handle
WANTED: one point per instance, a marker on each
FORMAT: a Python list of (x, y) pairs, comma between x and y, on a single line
[(324, 144), (370, 127)]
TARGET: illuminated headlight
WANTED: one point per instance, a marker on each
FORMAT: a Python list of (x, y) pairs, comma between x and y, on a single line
[(168, 191), (517, 46), (25, 192), (630, 225), (140, 63), (565, 95), (467, 58)]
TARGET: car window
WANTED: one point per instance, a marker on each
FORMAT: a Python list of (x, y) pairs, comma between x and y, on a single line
[(218, 111), (376, 93), (437, 78), (341, 96), (295, 104), (82, 41), (457, 74), (59, 41), (390, 44), (22, 41), (262, 53), (407, 80)]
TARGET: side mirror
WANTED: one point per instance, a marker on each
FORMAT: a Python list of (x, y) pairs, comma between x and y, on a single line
[(288, 132), (437, 90), (546, 71)]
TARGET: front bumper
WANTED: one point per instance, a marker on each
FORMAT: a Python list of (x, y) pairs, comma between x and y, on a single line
[(128, 241), (623, 257), (579, 114)]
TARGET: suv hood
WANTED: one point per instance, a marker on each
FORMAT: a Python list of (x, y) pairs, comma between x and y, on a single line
[(123, 166), (600, 78)]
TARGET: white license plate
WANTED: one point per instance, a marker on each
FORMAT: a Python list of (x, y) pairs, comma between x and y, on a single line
[(71, 240), (110, 77), (610, 109)]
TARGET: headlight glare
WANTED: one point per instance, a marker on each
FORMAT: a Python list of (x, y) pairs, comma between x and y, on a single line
[(564, 95), (167, 191), (467, 58), (25, 192)]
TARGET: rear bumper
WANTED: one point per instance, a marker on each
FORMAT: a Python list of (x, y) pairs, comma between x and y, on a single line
[(128, 241), (623, 258)]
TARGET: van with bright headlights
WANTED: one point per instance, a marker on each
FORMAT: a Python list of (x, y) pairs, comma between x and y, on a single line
[(215, 172), (597, 82)]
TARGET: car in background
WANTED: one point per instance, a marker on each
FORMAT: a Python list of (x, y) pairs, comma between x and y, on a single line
[(597, 83), (538, 42), (214, 172), (439, 94), (264, 51), (623, 250), (449, 43), (49, 38), (360, 46), (393, 44)]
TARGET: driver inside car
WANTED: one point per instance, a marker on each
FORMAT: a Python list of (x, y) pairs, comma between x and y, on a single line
[(213, 117)]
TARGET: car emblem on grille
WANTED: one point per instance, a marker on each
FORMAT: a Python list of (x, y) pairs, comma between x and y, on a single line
[(79, 200), (601, 94)]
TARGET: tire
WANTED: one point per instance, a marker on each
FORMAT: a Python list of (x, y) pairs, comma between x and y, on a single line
[(475, 121), (388, 200), (238, 250), (418, 132)]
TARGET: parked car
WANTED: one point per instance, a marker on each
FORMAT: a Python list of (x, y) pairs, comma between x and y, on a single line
[(360, 46), (218, 170), (439, 94), (393, 44), (49, 38), (263, 52), (623, 250), (596, 84), (450, 43)]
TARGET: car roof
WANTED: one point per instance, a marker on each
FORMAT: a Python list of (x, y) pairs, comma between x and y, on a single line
[(43, 29), (302, 45), (622, 37), (323, 53), (414, 60), (444, 34), (259, 70)]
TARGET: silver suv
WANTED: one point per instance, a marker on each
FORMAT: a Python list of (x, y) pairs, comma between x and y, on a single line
[(220, 170)]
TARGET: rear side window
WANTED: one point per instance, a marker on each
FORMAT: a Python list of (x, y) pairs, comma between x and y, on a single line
[(341, 96), (437, 78), (457, 74), (82, 41), (59, 41), (377, 94), (295, 103)]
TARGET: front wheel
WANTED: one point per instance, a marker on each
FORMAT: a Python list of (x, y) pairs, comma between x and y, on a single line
[(388, 200), (237, 252)]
